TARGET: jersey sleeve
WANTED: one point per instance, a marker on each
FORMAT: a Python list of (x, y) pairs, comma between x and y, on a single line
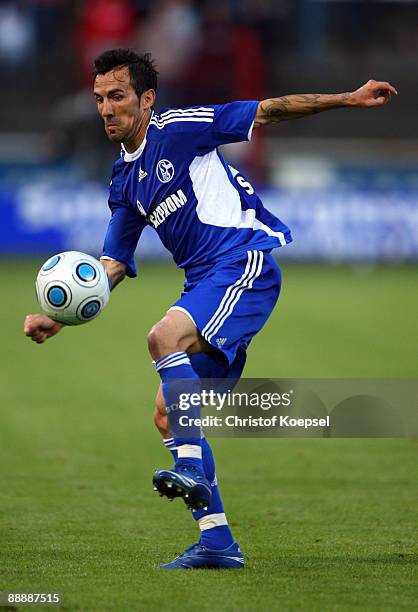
[(204, 128), (123, 232), (234, 122)]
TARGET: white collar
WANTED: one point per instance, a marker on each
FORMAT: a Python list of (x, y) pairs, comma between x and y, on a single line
[(130, 157)]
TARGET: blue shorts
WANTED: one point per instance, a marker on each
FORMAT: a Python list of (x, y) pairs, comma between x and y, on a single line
[(233, 301)]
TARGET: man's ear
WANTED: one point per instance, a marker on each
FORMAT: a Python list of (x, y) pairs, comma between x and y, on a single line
[(147, 99)]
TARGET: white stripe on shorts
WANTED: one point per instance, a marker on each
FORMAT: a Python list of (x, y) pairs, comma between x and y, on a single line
[(220, 308), (248, 284), (233, 293)]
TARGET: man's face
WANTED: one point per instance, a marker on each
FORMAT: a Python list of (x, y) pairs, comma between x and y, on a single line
[(118, 104)]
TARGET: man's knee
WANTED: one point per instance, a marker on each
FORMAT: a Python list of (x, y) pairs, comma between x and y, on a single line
[(162, 339), (175, 332)]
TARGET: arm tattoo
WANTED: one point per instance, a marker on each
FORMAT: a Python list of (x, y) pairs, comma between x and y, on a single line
[(275, 110)]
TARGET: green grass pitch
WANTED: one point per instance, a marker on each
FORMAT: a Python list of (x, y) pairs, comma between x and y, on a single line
[(325, 524)]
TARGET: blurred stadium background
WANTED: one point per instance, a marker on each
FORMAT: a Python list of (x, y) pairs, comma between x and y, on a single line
[(346, 181), (77, 443)]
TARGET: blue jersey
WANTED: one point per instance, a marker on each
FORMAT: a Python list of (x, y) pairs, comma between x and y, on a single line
[(177, 182)]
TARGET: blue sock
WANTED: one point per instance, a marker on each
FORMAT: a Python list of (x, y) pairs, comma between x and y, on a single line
[(181, 391), (215, 531), (171, 445)]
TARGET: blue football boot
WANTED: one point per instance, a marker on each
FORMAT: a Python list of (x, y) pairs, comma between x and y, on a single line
[(200, 557), (186, 481)]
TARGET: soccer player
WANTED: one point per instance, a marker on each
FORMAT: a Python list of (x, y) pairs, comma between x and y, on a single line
[(172, 177)]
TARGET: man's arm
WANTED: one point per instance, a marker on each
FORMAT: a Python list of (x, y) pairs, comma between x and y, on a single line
[(40, 327), (275, 110), (116, 270)]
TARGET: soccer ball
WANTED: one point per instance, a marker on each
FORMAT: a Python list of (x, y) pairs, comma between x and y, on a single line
[(72, 288)]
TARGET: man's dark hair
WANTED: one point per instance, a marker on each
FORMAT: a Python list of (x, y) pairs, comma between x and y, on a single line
[(142, 72)]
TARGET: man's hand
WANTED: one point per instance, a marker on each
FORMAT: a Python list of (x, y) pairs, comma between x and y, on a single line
[(39, 327), (372, 93)]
